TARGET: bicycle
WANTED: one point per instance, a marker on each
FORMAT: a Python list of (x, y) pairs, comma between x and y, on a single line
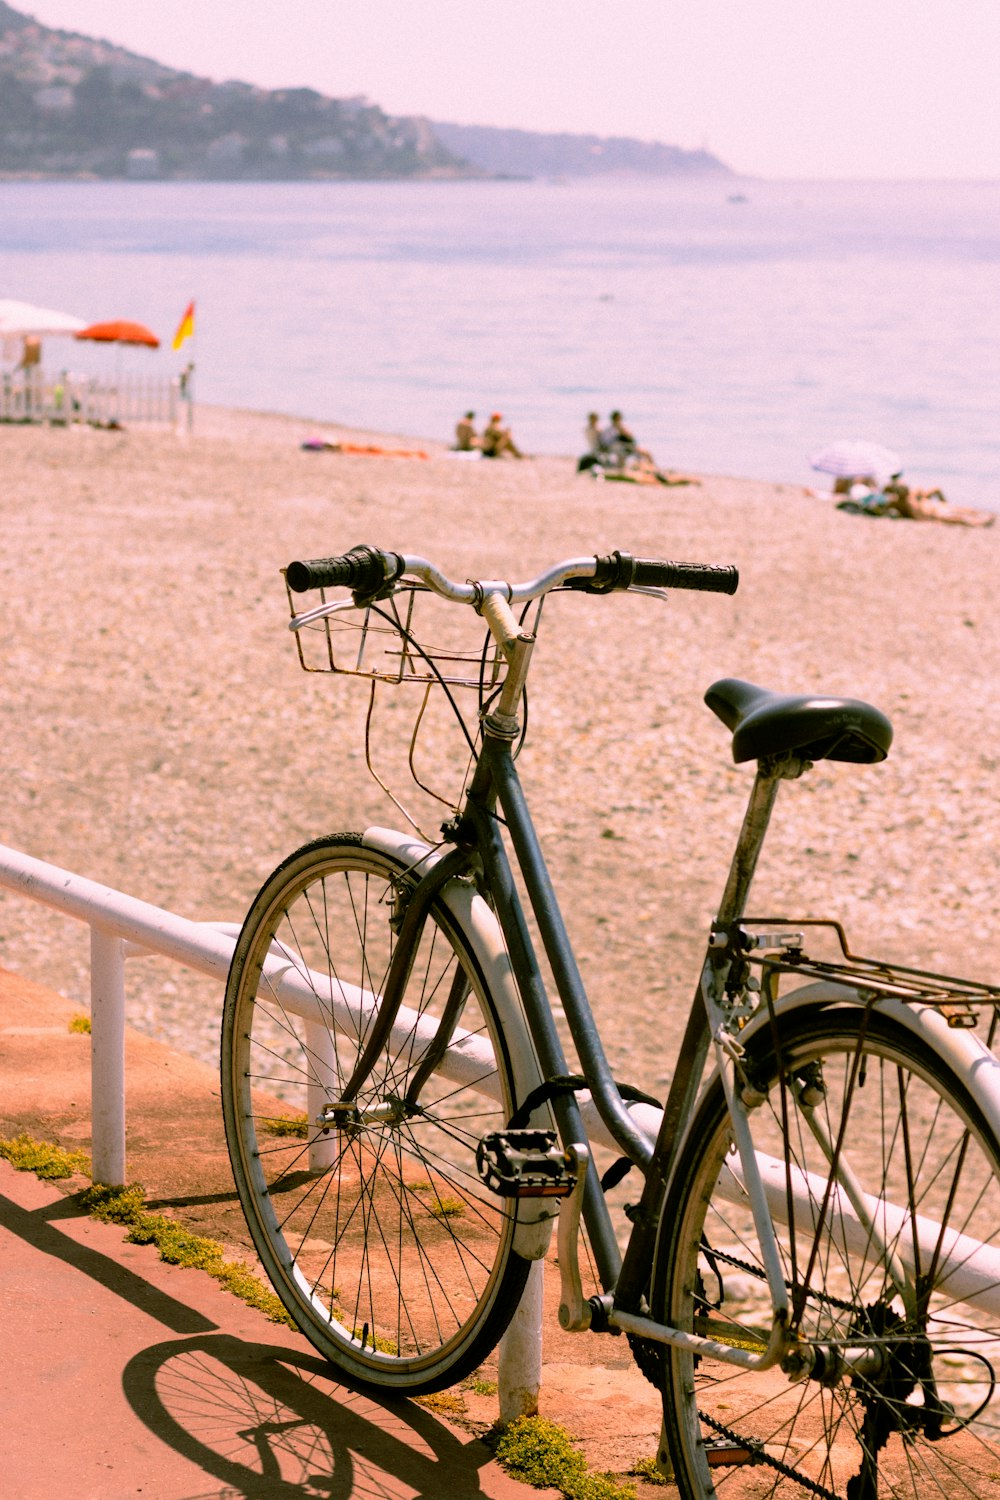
[(808, 1275)]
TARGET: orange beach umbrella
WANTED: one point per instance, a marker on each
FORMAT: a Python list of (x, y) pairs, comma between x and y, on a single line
[(119, 332)]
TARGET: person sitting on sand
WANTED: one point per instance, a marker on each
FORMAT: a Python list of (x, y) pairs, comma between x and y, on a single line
[(844, 483), (615, 454), (466, 440), (618, 441), (496, 440), (595, 452)]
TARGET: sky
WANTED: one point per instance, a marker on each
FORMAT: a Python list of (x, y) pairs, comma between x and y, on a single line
[(776, 88)]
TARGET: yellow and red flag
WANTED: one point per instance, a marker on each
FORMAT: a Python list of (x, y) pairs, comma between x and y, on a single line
[(185, 328)]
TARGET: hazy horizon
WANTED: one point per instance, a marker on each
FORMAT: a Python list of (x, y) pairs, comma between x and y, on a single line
[(775, 91)]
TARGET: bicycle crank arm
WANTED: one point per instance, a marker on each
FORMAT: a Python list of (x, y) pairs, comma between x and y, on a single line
[(574, 1309)]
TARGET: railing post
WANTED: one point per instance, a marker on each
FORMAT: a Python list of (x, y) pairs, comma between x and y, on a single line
[(519, 1376), (320, 1085), (107, 1056)]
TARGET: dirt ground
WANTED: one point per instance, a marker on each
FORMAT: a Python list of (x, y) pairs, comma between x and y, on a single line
[(160, 737)]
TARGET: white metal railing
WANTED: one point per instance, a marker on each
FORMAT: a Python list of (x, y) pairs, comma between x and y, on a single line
[(60, 400), (122, 926)]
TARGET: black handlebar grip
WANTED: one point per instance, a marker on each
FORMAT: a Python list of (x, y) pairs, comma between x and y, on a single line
[(649, 572), (364, 570), (318, 573)]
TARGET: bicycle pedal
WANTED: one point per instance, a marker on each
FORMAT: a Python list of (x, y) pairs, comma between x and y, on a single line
[(524, 1164), (721, 1453)]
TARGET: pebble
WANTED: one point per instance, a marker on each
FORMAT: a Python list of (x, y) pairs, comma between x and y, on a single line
[(159, 735)]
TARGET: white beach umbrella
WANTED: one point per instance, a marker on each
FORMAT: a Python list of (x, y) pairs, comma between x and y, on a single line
[(855, 459), (20, 320)]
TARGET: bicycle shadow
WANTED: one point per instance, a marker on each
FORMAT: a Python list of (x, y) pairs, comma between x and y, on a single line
[(271, 1423), (38, 1227)]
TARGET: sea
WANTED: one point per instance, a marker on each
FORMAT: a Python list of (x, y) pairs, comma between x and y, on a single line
[(739, 324)]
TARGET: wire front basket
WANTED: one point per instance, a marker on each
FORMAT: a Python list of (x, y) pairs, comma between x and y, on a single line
[(413, 636), (379, 641)]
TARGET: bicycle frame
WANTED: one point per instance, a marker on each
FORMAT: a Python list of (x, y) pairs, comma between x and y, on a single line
[(480, 850), (817, 1197), (624, 1280)]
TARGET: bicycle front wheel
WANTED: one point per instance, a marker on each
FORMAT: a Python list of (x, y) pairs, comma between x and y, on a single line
[(388, 1251), (888, 1260)]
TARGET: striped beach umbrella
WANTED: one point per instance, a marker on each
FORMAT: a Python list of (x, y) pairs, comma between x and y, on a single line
[(856, 459)]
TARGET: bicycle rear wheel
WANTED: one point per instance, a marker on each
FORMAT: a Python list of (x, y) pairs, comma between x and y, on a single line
[(911, 1281), (388, 1251)]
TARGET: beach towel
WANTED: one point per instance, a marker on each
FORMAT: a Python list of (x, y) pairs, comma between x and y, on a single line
[(321, 445)]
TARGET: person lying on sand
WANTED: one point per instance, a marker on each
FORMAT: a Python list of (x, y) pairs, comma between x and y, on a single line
[(374, 450), (640, 472), (899, 500)]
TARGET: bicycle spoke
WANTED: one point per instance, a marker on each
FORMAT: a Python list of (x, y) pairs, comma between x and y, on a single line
[(882, 1181), (373, 1224)]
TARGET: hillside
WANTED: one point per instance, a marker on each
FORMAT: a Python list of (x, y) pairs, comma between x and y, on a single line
[(73, 106), (527, 153)]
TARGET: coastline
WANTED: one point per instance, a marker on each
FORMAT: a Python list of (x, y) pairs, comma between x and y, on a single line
[(161, 737), (544, 300)]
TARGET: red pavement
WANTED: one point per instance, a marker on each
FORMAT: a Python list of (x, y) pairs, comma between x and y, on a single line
[(123, 1376)]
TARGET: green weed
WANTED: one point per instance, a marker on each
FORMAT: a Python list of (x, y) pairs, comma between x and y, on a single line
[(540, 1453), (370, 1340), (42, 1158), (179, 1246), (645, 1468), (448, 1403), (447, 1208), (297, 1125)]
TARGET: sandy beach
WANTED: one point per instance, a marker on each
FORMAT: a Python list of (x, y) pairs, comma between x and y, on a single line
[(160, 737)]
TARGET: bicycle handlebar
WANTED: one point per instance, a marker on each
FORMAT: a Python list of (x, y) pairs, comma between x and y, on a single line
[(363, 569), (370, 572), (619, 570)]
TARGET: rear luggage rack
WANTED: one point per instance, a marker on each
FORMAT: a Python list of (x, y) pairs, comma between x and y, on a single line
[(776, 946)]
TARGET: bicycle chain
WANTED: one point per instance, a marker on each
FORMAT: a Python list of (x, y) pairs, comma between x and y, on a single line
[(642, 1349), (647, 1354), (759, 1456), (755, 1271), (649, 1358)]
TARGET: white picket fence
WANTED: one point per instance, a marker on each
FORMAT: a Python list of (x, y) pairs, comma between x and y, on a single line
[(60, 400)]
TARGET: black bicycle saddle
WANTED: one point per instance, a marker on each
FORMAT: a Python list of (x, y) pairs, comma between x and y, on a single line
[(811, 726)]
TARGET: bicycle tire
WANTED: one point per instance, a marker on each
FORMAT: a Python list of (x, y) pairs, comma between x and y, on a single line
[(390, 1254), (928, 1421)]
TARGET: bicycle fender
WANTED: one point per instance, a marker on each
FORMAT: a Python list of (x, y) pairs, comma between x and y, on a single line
[(961, 1048), (481, 931)]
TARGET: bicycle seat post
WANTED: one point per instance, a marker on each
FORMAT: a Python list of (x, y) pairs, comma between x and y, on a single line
[(771, 771)]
